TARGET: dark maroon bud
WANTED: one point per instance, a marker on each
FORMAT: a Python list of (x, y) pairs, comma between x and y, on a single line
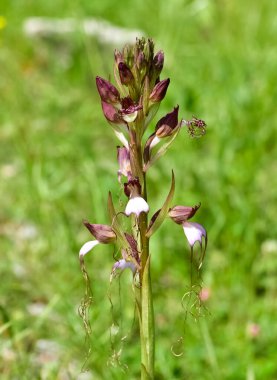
[(103, 233), (167, 124), (159, 91), (111, 113), (180, 214), (146, 152), (132, 188), (158, 62), (108, 93), (125, 74)]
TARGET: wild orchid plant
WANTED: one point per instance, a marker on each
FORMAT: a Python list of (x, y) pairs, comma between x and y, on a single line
[(129, 108)]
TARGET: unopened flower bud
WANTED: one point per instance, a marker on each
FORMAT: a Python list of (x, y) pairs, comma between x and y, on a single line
[(180, 214), (103, 233), (126, 76), (159, 91), (158, 62), (108, 93)]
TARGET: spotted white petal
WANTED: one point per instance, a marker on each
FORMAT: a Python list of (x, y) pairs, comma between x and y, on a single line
[(136, 205), (194, 232), (88, 247), (154, 142)]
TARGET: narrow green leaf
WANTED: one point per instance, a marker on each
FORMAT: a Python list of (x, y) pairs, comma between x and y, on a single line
[(164, 210)]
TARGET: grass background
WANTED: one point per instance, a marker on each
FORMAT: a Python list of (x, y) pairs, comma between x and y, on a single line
[(58, 161)]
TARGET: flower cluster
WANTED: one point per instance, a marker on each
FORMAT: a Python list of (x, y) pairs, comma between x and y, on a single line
[(129, 107)]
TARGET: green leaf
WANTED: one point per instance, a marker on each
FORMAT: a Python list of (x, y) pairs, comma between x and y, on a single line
[(164, 210), (162, 150)]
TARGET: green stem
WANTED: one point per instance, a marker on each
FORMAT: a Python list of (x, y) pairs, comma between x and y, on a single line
[(144, 300)]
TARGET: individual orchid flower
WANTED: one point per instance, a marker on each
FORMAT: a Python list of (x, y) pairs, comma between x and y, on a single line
[(130, 258), (167, 126), (194, 232), (103, 234), (136, 203), (129, 110)]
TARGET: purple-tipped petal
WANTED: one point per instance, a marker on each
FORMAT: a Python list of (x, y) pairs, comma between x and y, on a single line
[(194, 232), (88, 246), (159, 91)]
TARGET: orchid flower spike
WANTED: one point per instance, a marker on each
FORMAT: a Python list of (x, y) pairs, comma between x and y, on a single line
[(136, 203)]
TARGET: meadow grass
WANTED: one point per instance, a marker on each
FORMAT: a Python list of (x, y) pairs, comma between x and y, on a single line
[(58, 161)]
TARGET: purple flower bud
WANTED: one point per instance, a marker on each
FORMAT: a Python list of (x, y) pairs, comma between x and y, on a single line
[(125, 74), (103, 233), (158, 62), (123, 158), (167, 124), (159, 91), (180, 214), (112, 114), (108, 93)]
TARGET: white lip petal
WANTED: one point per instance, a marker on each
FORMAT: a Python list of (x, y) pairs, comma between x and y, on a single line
[(88, 247), (154, 142), (136, 205), (121, 265), (122, 138), (129, 118), (194, 232)]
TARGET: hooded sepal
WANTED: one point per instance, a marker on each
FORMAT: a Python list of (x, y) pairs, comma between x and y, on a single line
[(108, 92), (103, 233), (180, 214), (159, 91)]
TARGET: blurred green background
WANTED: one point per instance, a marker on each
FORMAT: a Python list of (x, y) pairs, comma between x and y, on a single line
[(58, 161)]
